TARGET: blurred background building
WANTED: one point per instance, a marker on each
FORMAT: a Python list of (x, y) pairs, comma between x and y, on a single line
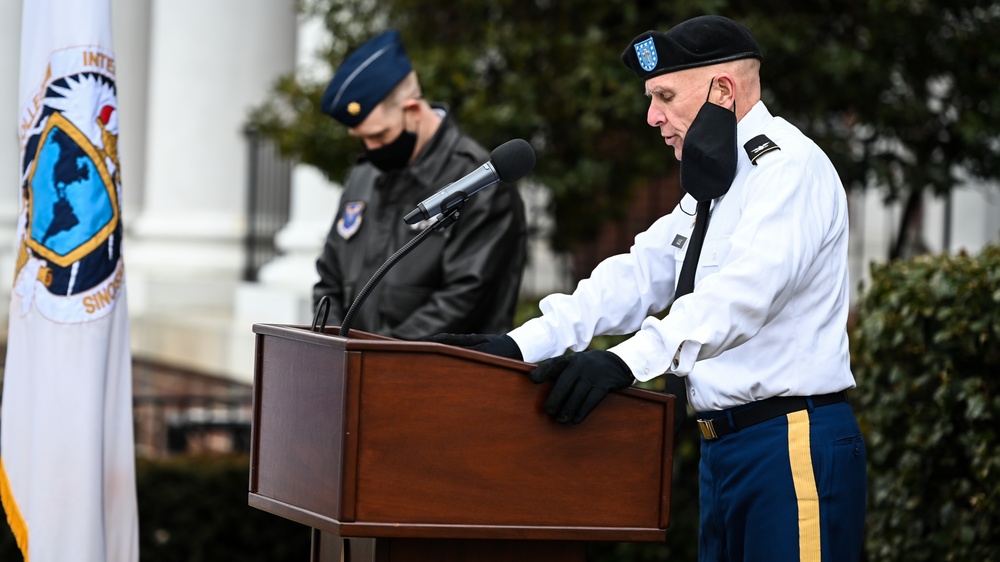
[(222, 232)]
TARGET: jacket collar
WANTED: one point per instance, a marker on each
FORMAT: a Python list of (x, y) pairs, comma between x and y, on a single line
[(435, 154)]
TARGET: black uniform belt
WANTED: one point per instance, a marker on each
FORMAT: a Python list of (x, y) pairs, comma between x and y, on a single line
[(745, 416)]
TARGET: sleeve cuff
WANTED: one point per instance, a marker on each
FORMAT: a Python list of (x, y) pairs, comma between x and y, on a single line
[(533, 340), (648, 357)]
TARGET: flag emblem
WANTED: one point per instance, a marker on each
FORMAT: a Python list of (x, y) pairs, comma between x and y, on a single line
[(70, 246)]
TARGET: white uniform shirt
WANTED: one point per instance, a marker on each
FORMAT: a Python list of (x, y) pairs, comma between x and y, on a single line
[(768, 315)]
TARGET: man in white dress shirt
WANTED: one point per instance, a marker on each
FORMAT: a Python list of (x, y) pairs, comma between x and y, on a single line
[(753, 265)]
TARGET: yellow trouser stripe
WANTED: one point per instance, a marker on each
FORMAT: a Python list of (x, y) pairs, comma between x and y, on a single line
[(805, 485), (14, 519)]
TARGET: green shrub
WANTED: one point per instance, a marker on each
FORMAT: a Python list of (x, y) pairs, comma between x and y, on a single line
[(926, 354), (194, 509)]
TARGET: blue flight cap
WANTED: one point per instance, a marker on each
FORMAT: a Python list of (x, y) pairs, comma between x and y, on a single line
[(365, 77)]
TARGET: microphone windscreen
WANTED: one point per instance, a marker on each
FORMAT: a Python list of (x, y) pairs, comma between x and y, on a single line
[(513, 159)]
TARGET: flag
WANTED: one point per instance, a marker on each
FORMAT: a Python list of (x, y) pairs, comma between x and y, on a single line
[(67, 462)]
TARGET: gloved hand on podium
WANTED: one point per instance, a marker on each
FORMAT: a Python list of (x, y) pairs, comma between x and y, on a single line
[(582, 381), (501, 345)]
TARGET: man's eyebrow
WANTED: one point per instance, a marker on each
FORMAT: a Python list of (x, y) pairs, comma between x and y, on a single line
[(377, 133), (659, 90)]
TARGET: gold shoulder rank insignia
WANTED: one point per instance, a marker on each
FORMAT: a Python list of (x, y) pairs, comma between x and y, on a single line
[(759, 146)]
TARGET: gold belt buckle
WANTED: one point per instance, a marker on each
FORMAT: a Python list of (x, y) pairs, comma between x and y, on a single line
[(707, 429)]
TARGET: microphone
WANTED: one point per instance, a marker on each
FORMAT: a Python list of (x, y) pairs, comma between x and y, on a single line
[(508, 162)]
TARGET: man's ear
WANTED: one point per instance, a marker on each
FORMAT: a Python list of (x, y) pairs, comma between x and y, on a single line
[(725, 92), (411, 105)]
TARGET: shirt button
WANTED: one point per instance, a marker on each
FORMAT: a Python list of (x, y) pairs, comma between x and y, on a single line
[(646, 370), (692, 392)]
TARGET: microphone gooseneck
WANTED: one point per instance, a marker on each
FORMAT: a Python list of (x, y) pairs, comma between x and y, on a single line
[(450, 217)]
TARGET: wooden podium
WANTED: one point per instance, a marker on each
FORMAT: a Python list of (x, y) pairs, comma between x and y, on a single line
[(396, 451)]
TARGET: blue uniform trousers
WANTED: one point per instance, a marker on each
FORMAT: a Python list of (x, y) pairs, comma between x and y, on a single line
[(792, 488)]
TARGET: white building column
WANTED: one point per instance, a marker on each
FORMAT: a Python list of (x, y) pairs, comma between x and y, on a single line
[(10, 48), (872, 231), (283, 291), (970, 223), (130, 26), (209, 64), (975, 216)]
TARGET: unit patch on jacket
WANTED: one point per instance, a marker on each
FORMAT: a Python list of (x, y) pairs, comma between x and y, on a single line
[(349, 224)]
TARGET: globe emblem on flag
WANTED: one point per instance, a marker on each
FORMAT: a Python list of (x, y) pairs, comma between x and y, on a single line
[(71, 229), (72, 205)]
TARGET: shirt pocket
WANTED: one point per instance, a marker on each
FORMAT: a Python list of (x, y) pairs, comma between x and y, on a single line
[(714, 252)]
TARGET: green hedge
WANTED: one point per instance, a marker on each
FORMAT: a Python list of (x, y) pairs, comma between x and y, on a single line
[(194, 509), (926, 353)]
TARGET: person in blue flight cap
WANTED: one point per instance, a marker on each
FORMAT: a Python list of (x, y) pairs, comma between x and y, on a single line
[(463, 278), (753, 266)]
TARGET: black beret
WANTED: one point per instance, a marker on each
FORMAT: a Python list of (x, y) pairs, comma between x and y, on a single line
[(700, 41), (365, 77)]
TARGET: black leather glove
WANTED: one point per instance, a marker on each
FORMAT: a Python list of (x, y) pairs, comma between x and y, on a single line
[(503, 345), (582, 381)]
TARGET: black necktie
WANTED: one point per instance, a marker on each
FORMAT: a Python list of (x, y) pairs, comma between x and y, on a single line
[(685, 284), (672, 384)]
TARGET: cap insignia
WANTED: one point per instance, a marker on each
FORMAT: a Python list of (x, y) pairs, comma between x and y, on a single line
[(646, 53), (354, 108)]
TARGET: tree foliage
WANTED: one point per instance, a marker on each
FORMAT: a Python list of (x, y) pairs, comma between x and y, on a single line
[(901, 93)]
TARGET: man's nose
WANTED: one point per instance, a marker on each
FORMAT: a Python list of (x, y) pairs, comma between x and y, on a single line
[(654, 116)]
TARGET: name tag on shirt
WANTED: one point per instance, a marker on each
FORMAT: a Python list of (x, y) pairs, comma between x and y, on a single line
[(679, 241)]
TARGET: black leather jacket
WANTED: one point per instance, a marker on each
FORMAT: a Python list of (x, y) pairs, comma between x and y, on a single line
[(464, 279)]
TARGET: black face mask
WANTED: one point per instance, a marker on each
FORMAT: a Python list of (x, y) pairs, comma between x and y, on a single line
[(394, 155), (708, 159)]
